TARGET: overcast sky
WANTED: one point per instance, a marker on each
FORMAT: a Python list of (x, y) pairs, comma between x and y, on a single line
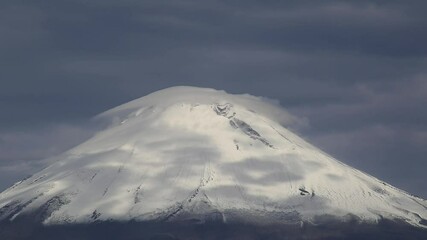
[(355, 72)]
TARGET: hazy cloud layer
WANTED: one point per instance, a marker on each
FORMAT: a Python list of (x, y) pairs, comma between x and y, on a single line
[(355, 70)]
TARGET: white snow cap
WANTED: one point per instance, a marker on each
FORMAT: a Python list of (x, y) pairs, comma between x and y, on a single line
[(197, 153), (203, 96)]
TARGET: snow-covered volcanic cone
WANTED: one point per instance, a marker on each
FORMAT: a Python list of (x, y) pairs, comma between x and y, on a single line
[(194, 154)]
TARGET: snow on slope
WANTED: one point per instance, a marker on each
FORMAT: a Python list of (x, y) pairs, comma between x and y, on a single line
[(201, 153)]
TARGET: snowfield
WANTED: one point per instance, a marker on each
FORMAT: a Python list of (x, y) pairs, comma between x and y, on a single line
[(192, 153)]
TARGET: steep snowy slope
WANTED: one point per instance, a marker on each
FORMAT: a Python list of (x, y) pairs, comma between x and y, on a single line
[(190, 153)]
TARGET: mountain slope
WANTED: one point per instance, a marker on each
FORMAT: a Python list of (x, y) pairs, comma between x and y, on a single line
[(196, 154)]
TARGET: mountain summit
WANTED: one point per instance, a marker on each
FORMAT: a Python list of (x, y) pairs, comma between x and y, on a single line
[(195, 154)]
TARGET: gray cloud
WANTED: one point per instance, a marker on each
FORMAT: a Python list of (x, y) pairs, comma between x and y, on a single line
[(356, 70), (26, 151)]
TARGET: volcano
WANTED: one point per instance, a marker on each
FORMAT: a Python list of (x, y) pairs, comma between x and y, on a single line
[(196, 163)]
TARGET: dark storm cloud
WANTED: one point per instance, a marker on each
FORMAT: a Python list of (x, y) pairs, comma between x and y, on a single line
[(355, 70)]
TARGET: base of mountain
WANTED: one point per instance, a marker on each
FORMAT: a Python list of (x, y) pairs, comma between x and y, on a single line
[(21, 229)]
